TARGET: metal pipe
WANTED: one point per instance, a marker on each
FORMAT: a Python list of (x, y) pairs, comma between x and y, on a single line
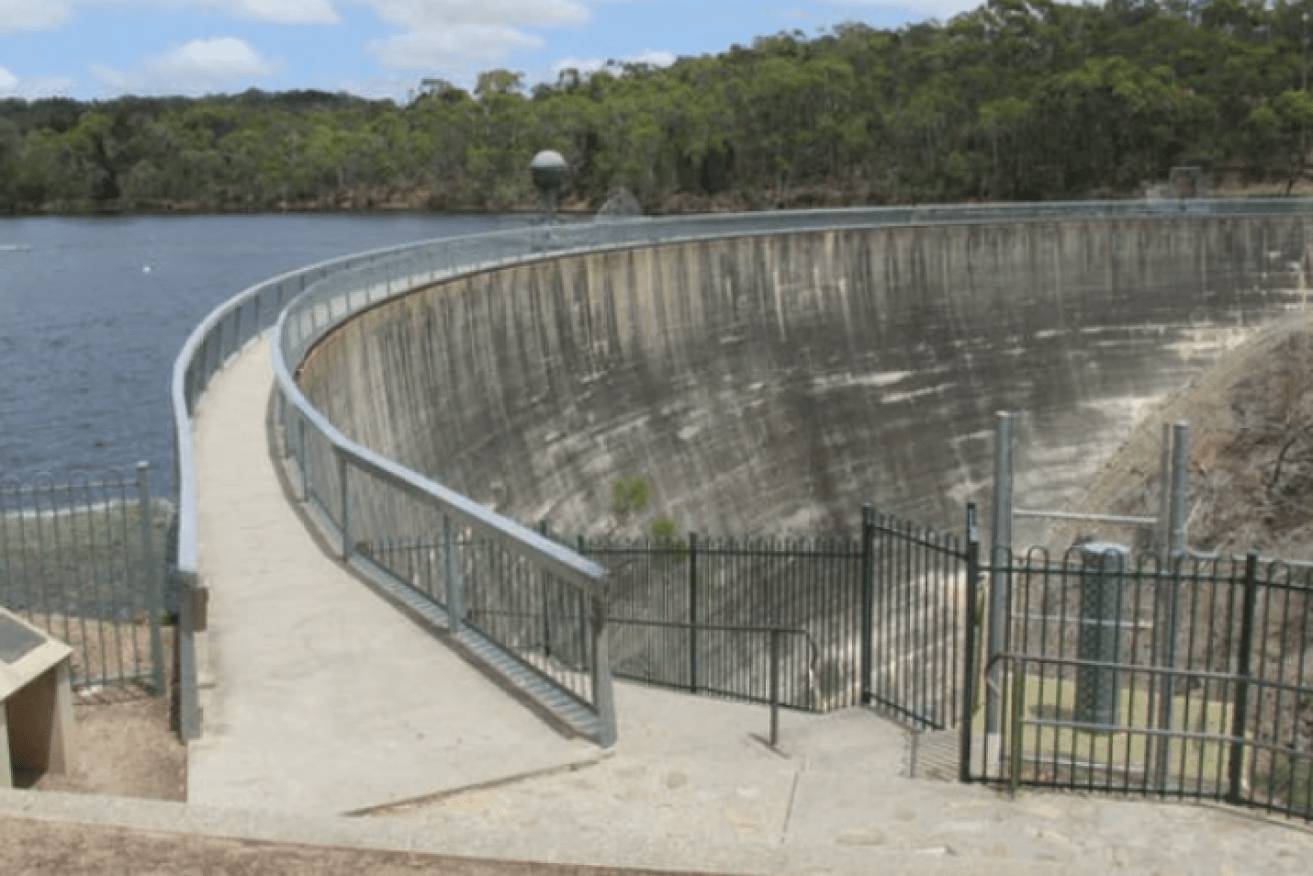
[(1033, 514), (1171, 600)]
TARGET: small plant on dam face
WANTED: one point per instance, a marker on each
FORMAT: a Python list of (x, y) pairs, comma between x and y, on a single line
[(665, 532), (629, 498)]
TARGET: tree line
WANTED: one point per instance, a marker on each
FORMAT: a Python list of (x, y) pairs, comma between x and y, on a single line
[(1016, 100)]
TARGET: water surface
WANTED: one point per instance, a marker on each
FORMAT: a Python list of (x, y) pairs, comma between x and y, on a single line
[(93, 312)]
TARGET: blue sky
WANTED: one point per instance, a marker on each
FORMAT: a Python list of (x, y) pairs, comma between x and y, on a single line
[(379, 48)]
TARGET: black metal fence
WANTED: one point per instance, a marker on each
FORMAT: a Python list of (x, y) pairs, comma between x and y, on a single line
[(696, 614), (876, 620), (1189, 681), (84, 559)]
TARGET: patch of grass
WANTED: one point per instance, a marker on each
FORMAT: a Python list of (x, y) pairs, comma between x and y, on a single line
[(1055, 747)]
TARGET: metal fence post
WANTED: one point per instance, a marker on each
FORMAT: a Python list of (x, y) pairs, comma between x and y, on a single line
[(1240, 713), (1164, 534), (151, 579), (774, 687), (868, 599), (969, 646), (1000, 574), (455, 586), (693, 612), (1170, 602)]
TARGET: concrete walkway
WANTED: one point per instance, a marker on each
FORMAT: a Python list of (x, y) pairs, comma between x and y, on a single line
[(318, 697), (691, 788), (327, 701)]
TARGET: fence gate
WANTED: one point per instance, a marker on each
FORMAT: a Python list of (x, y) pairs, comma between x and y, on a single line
[(915, 611), (1119, 675)]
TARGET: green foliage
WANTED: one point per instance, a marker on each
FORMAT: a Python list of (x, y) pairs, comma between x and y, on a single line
[(1017, 99), (629, 497), (665, 532)]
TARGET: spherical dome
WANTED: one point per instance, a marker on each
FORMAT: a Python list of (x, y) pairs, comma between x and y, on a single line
[(548, 170), (548, 159)]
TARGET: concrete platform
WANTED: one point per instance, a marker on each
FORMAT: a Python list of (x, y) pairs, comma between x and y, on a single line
[(319, 697), (691, 788)]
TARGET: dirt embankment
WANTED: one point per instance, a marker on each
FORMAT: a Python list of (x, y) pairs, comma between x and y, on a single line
[(1251, 465)]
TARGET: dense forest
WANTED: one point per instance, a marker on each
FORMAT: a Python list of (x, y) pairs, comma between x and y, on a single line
[(1017, 100)]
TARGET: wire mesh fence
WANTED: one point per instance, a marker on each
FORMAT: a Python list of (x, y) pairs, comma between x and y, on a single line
[(85, 559)]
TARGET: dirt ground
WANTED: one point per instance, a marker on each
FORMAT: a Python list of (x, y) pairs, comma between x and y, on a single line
[(124, 743), (1251, 468), (74, 850)]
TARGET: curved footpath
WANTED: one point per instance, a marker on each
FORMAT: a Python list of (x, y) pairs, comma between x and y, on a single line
[(325, 700)]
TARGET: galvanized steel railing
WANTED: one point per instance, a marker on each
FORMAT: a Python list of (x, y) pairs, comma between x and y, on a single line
[(335, 291), (222, 334)]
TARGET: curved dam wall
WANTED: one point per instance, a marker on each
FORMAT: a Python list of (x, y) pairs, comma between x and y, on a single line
[(772, 383)]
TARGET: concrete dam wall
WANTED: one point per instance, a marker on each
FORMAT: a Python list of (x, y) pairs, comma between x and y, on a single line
[(774, 383)]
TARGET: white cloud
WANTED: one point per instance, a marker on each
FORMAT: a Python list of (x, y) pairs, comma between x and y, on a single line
[(27, 15), (425, 15), (650, 57), (456, 48), (31, 89), (457, 36), (197, 67), (653, 58)]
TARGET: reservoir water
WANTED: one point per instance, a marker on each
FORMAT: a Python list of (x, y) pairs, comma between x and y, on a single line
[(93, 312)]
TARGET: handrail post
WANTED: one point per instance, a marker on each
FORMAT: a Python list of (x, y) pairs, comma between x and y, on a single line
[(1240, 712), (868, 600), (344, 503), (544, 595), (969, 646), (300, 455), (189, 710), (603, 687), (151, 578), (455, 586)]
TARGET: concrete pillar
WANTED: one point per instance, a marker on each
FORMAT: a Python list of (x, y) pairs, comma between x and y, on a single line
[(1102, 604)]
